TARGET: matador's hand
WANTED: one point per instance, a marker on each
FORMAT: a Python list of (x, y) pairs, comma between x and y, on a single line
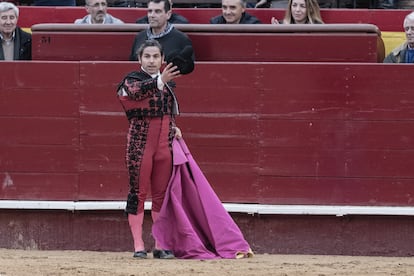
[(169, 73), (177, 133)]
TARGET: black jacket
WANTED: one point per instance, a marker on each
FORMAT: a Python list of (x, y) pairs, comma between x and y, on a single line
[(178, 49), (245, 19), (174, 19), (22, 46)]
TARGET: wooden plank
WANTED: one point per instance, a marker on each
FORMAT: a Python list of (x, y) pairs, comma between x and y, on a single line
[(98, 95), (55, 47), (341, 43), (208, 90), (336, 162), (39, 186), (329, 134), (353, 93), (259, 47), (29, 75), (210, 131), (104, 158), (39, 131), (37, 102), (110, 130), (103, 185), (392, 191), (39, 158)]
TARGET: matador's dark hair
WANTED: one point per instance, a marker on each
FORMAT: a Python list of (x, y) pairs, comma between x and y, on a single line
[(149, 43)]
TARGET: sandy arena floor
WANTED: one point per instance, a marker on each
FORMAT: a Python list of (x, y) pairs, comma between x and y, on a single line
[(21, 262)]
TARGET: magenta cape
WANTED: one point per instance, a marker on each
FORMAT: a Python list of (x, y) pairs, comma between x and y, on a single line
[(193, 222)]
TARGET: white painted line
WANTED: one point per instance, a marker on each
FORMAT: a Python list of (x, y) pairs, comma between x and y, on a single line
[(265, 209)]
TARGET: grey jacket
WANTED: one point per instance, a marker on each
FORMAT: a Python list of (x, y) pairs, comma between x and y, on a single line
[(109, 19), (397, 55)]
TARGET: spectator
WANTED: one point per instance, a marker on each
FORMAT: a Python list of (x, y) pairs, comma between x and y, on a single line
[(386, 4), (174, 18), (54, 3), (118, 3), (301, 12), (15, 43), (150, 105), (16, 3), (405, 52), (279, 4), (233, 12), (177, 46), (97, 14), (263, 4)]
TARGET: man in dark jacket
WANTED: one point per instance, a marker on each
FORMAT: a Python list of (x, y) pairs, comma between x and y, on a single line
[(233, 12), (178, 47), (15, 43), (174, 18), (405, 52)]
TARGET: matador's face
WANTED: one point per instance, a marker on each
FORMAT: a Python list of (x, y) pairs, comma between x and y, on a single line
[(151, 60)]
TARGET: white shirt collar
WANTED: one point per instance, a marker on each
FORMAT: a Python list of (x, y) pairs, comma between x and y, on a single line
[(152, 75), (12, 38)]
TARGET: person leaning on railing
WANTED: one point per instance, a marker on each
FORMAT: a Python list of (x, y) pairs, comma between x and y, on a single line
[(301, 12), (405, 52), (15, 43)]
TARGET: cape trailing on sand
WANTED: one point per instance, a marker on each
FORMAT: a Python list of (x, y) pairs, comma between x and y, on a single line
[(193, 222)]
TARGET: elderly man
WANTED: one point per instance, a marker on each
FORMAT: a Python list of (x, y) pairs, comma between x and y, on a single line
[(178, 48), (15, 43), (233, 12), (97, 14), (405, 52)]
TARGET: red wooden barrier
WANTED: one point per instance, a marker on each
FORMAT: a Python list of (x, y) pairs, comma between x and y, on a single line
[(255, 43), (386, 20), (39, 119), (276, 133)]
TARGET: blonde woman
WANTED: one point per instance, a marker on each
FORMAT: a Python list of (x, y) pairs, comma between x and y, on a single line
[(301, 12)]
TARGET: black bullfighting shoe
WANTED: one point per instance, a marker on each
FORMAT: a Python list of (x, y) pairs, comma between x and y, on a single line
[(163, 254), (140, 254)]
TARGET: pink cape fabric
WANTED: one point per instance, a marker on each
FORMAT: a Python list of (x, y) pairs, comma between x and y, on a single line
[(193, 222)]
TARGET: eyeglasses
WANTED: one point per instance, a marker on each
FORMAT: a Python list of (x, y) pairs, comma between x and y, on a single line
[(96, 5)]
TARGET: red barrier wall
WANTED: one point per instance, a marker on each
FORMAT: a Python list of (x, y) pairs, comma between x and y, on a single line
[(257, 43), (386, 20), (276, 133)]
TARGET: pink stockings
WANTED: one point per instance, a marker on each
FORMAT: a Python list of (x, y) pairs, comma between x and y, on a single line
[(135, 223), (155, 216)]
